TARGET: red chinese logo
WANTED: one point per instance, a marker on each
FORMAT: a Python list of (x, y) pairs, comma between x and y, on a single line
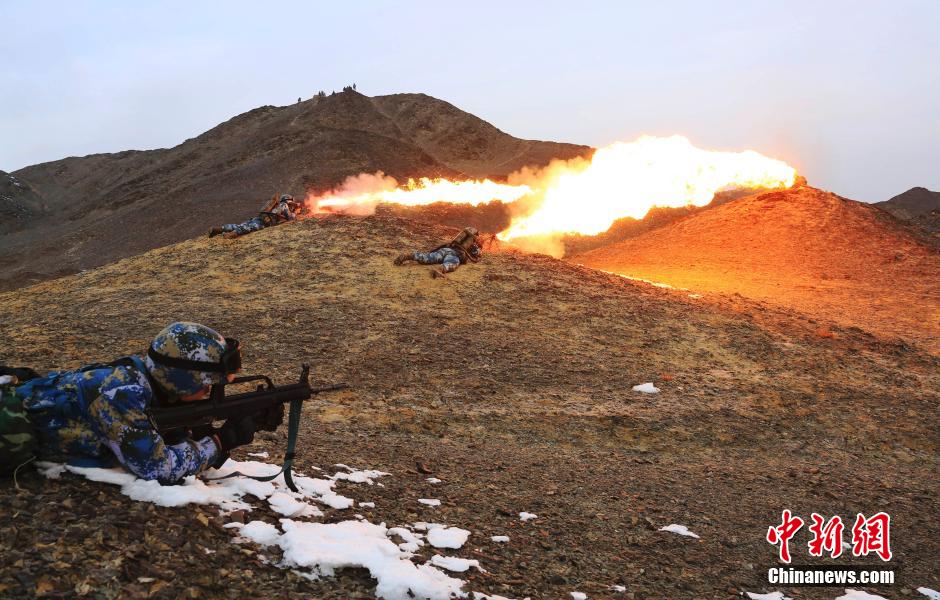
[(781, 535), (826, 538), (869, 535), (872, 535)]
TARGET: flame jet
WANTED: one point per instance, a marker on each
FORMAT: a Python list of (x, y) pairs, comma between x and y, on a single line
[(579, 196), (627, 179)]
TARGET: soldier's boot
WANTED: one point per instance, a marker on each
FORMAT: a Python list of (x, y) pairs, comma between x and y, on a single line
[(403, 258), (230, 235), (214, 231), (438, 273)]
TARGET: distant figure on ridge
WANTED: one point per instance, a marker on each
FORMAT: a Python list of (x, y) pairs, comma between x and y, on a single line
[(465, 247), (277, 211)]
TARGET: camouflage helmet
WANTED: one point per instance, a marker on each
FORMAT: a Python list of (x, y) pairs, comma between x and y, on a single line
[(286, 198), (175, 357)]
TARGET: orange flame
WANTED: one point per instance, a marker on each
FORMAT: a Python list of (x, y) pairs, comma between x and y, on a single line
[(580, 196), (362, 193)]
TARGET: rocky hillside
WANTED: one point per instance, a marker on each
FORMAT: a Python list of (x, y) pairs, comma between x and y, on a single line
[(91, 210), (19, 203), (511, 381), (912, 203), (832, 258), (918, 206)]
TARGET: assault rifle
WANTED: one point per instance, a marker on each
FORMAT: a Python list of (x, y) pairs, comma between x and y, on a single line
[(264, 405)]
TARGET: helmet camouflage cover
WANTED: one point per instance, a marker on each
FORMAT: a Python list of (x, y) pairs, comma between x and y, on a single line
[(188, 341)]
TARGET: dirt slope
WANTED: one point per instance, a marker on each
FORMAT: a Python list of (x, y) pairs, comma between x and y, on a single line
[(19, 203), (511, 381), (841, 261), (99, 208), (470, 145)]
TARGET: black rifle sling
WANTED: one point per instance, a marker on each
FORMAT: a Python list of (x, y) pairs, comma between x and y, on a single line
[(293, 425)]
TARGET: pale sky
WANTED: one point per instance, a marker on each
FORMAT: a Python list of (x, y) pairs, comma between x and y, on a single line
[(846, 91)]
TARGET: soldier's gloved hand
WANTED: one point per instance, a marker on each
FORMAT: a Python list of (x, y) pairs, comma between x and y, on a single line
[(270, 419), (231, 435)]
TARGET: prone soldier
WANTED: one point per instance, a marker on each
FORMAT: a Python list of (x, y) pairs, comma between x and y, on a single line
[(276, 212), (465, 247), (99, 415)]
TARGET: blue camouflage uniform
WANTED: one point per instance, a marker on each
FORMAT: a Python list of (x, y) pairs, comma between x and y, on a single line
[(248, 226), (97, 416), (448, 258), (281, 213)]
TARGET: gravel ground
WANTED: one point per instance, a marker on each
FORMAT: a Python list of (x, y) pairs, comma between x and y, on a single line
[(510, 381)]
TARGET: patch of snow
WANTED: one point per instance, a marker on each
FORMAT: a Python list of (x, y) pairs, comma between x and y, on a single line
[(652, 283), (433, 480), (228, 494), (770, 596), (306, 575), (258, 454), (578, 596), (618, 588), (360, 476), (50, 470), (367, 504), (312, 549), (646, 388), (859, 595), (679, 529), (259, 532), (452, 563), (527, 516), (284, 503), (932, 594), (191, 491), (447, 537), (323, 548), (412, 542), (500, 539), (430, 501)]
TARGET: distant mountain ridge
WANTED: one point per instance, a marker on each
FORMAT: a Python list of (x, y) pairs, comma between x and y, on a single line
[(91, 210), (918, 206), (912, 203)]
